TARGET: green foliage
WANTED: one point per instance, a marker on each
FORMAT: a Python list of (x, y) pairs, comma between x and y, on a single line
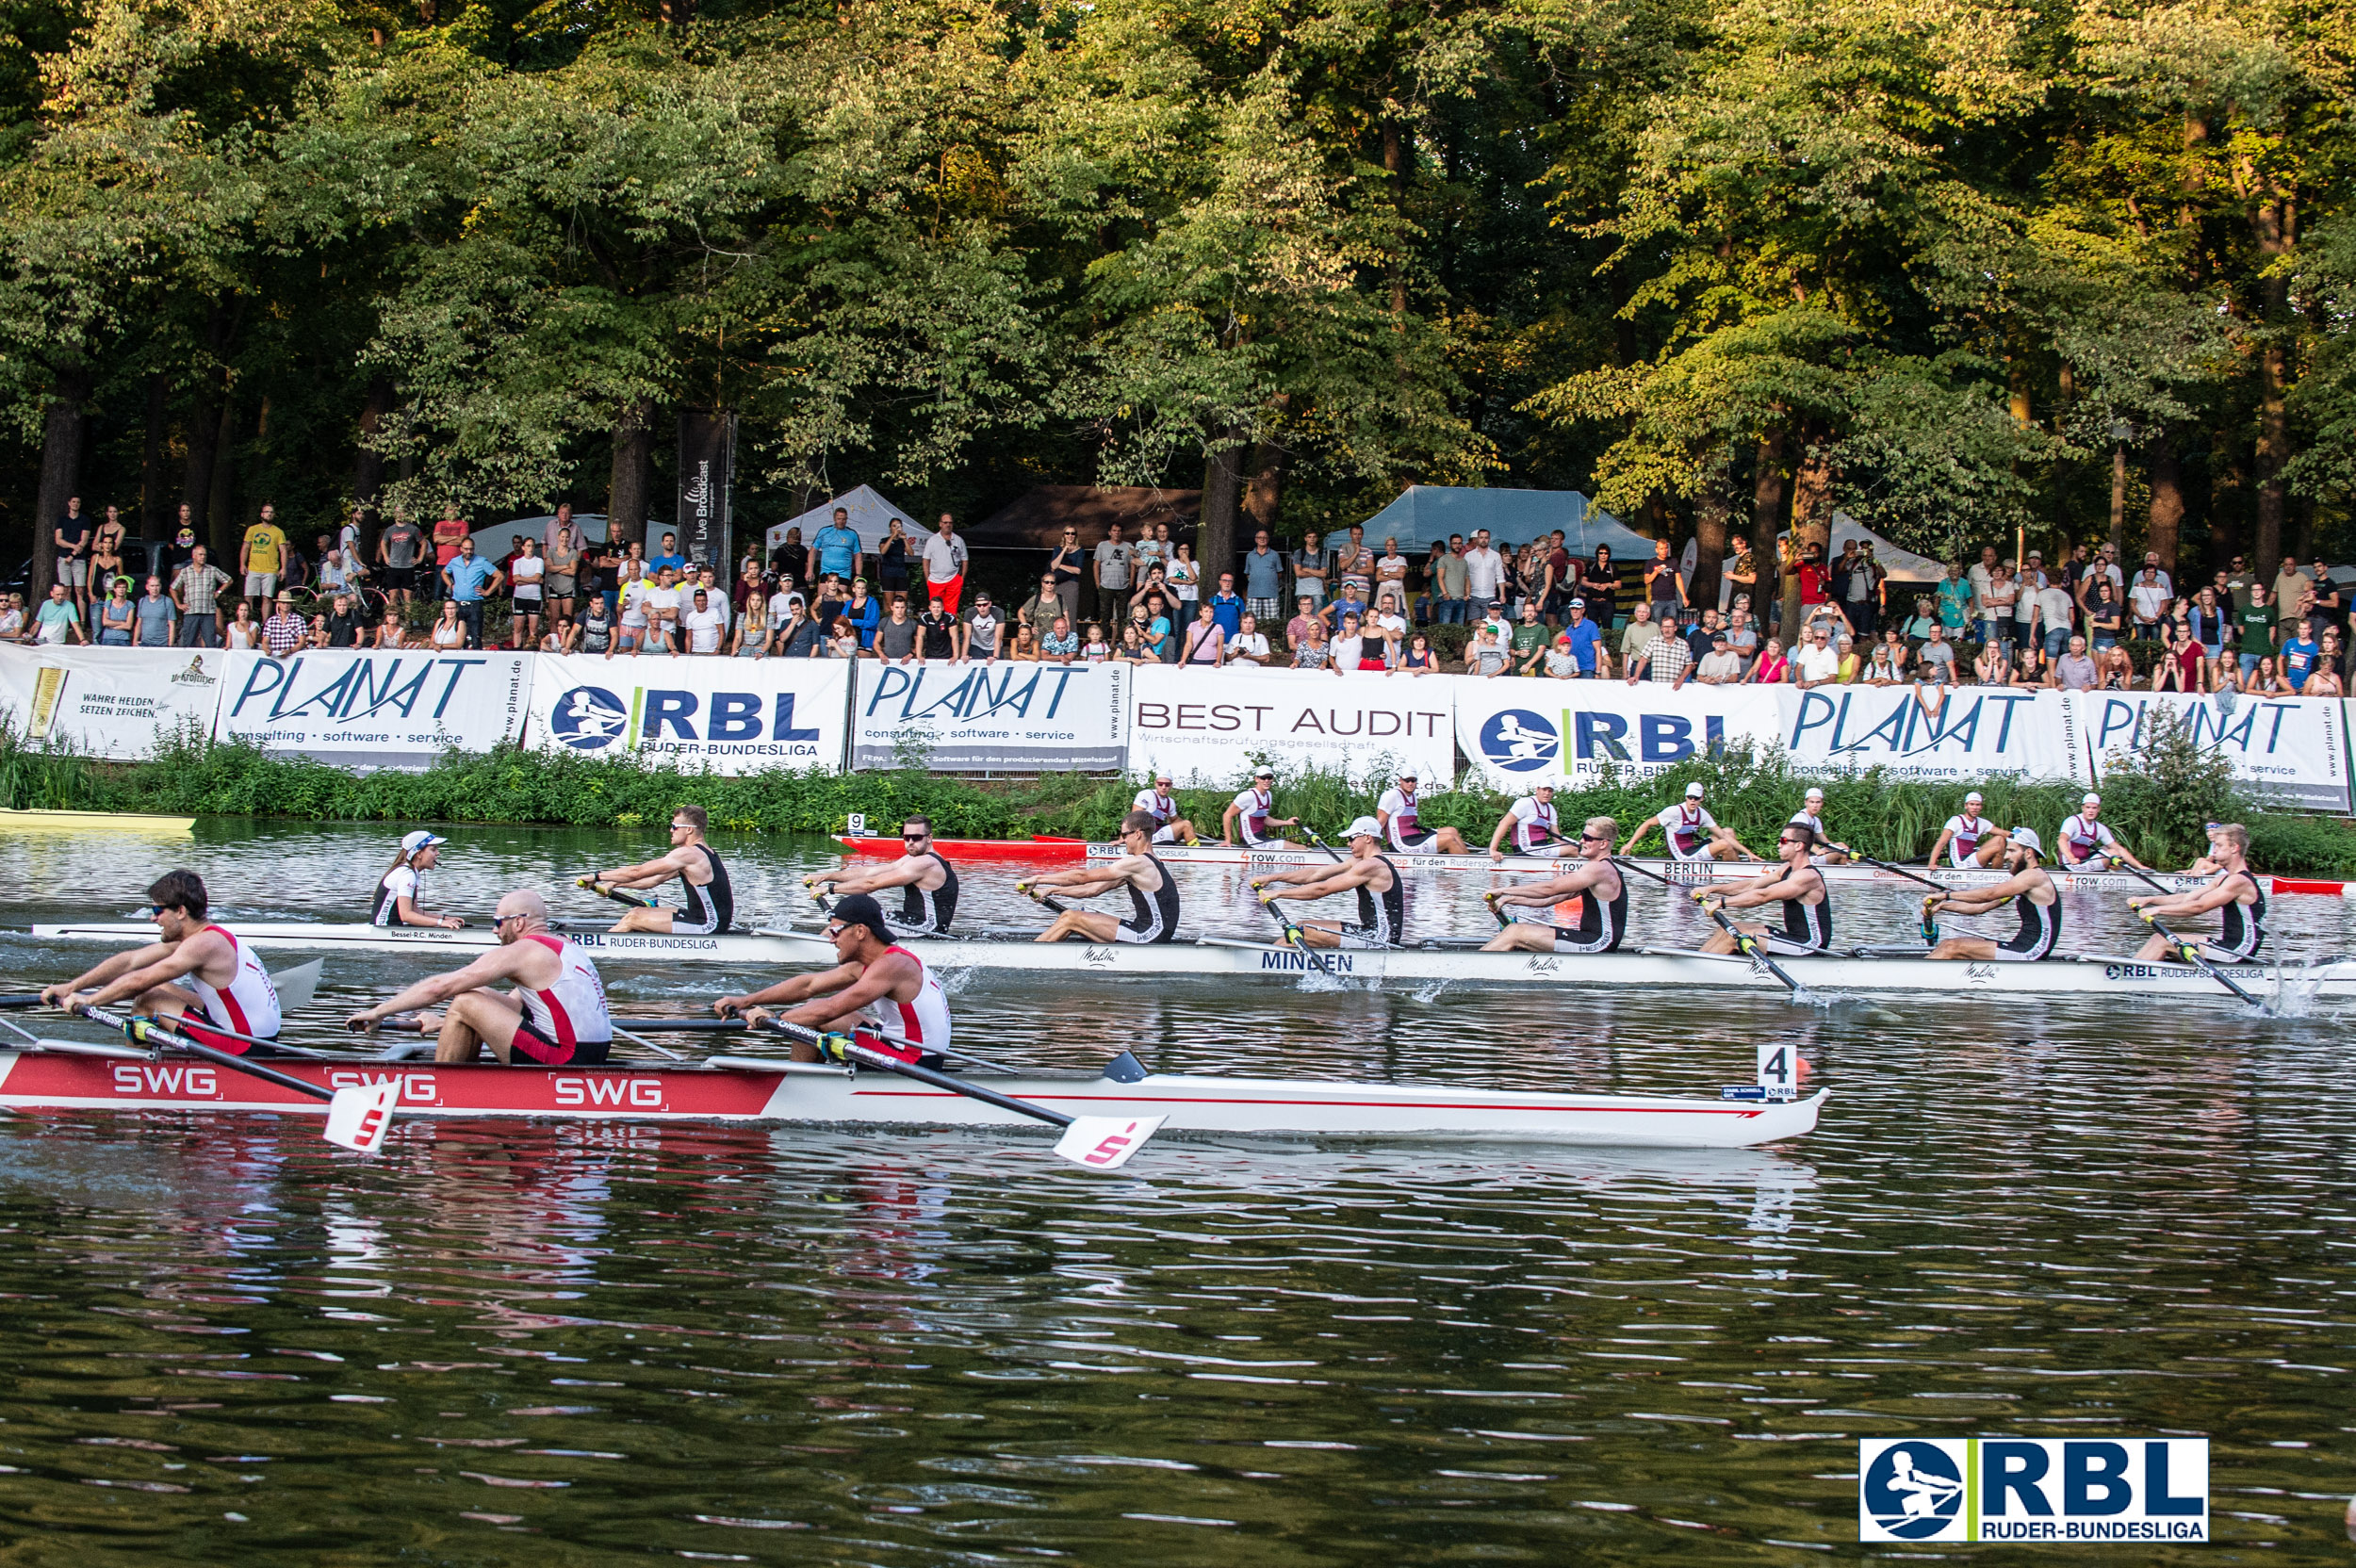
[(2171, 787)]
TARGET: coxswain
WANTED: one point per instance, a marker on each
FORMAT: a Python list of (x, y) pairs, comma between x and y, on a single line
[(1251, 812), (1968, 840), (2086, 843), (1396, 812), (2236, 893), (1531, 823), (194, 971), (707, 904), (401, 892), (1691, 832), (1169, 826), (926, 881), (881, 994), (1811, 816), (1795, 883), (556, 1016), (1153, 896), (2029, 887), (1381, 893), (1595, 882)]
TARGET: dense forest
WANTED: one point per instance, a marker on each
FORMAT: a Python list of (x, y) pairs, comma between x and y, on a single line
[(1961, 269)]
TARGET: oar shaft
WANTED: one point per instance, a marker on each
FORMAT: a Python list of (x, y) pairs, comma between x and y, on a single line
[(1901, 870), (867, 1057), (158, 1033)]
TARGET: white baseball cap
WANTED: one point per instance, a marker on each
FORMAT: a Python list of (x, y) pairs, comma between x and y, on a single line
[(2027, 837), (2091, 800), (1365, 827), (1693, 791), (1815, 794), (1972, 796), (419, 840)]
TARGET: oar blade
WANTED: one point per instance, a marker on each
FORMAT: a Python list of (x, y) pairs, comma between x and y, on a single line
[(297, 985), (358, 1118), (1106, 1142)]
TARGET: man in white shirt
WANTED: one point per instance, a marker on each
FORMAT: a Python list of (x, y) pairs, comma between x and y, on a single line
[(1156, 801), (781, 603), (1249, 645), (659, 603), (1814, 662), (2054, 609), (2086, 843), (944, 564), (1484, 570), (1691, 832), (1981, 576), (1533, 825), (1721, 666), (1395, 814), (1969, 838), (703, 622)]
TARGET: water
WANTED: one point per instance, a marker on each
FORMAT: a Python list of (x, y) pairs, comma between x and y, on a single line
[(503, 1345)]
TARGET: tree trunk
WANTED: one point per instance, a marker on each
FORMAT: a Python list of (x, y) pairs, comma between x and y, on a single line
[(2165, 530), (1264, 487), (2275, 239), (220, 509), (62, 440), (2119, 497), (1712, 518), (1395, 165), (1770, 490), (152, 525), (204, 438), (1222, 503), (629, 492), (2304, 515), (367, 464), (2229, 474), (1812, 516)]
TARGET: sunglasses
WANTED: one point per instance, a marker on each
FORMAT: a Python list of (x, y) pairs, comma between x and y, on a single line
[(1594, 837), (501, 922), (914, 837)]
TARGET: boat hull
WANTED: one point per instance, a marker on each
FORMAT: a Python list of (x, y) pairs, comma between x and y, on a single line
[(606, 947), (15, 821)]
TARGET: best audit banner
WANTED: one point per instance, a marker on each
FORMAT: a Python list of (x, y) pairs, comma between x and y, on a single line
[(378, 707), (1205, 726), (1934, 733), (2296, 746), (1521, 731), (971, 718), (105, 701), (727, 715)]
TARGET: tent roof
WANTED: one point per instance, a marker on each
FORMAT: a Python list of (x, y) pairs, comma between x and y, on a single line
[(1035, 519), (871, 518), (1905, 565), (1426, 512)]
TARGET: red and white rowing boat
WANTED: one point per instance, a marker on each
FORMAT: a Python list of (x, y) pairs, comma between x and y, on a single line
[(1035, 848)]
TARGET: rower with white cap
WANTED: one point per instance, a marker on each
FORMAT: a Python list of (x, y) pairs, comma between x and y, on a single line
[(1381, 893), (1811, 816), (2086, 843), (401, 892), (1969, 838), (1532, 822), (1395, 814), (1157, 802), (1255, 807), (1692, 833), (2031, 890)]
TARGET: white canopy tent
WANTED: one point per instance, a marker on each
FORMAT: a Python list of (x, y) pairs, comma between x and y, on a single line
[(1905, 565), (871, 519)]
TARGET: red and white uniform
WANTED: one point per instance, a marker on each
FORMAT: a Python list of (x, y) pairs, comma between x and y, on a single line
[(908, 1029), (1407, 837), (1162, 808), (1966, 832), (1688, 828), (249, 1005), (572, 1012), (1535, 828), (1257, 805), (2083, 841)]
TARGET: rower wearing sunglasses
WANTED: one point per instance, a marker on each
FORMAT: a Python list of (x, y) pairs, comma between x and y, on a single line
[(707, 903), (195, 970), (1153, 896), (928, 881), (1795, 883), (1596, 882), (881, 993), (555, 1015)]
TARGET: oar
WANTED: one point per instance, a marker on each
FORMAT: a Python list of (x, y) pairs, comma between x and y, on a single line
[(15, 1000), (1311, 834), (1293, 934), (1490, 898), (2194, 956), (1744, 942), (816, 897), (212, 1028), (619, 895), (1899, 871), (1098, 1142), (1036, 897), (357, 1118), (2151, 882), (297, 985)]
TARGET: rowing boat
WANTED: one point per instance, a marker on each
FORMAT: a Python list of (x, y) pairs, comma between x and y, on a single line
[(13, 821), (976, 849), (66, 1075), (733, 947)]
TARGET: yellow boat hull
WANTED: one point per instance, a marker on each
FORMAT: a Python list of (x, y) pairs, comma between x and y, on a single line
[(87, 821)]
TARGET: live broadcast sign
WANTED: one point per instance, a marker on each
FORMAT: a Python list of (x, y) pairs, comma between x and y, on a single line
[(2053, 1491)]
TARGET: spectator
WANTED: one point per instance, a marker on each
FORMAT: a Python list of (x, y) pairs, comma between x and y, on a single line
[(1666, 658), (1309, 650), (703, 624), (980, 633), (1741, 634), (670, 556), (2268, 680), (1450, 585), (1390, 571), (2074, 671), (262, 558), (562, 636), (2324, 611), (1417, 656), (862, 612), (1583, 637), (756, 635), (1934, 661), (1042, 608), (1815, 664), (1662, 587), (2300, 655), (896, 635), (1485, 573), (1227, 606), (470, 580), (1353, 562), (2325, 680), (1151, 551), (2029, 669), (1851, 664), (1182, 576), (447, 634), (1880, 668), (449, 531), (1701, 634), (937, 632), (1065, 569), (1095, 648), (2113, 670), (837, 547), (1309, 567), (1637, 635), (801, 636), (342, 628), (1061, 645), (1388, 626), (2291, 588), (1486, 656), (1113, 560), (2102, 617), (1773, 668), (196, 590), (1263, 576), (2055, 611), (529, 574), (284, 631), (157, 615), (1996, 605), (1206, 640), (1856, 587), (1723, 666), (72, 536), (945, 565), (2149, 599), (243, 631), (2257, 627), (60, 619), (1351, 650), (117, 615), (1918, 628), (892, 565), (1956, 593), (1600, 586)]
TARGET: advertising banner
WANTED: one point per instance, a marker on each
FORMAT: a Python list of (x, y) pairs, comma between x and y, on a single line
[(968, 718), (2295, 747), (108, 702), (727, 715), (1205, 726), (706, 458), (1933, 733), (1522, 731), (374, 709)]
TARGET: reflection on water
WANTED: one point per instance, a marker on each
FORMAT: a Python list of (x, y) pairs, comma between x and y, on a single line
[(501, 1345)]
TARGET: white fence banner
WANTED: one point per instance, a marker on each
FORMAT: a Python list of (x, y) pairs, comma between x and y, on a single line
[(2295, 745), (375, 708), (727, 715), (1203, 725), (1521, 731), (106, 701), (1967, 733), (966, 718)]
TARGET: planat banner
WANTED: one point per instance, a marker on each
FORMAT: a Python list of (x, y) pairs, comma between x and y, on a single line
[(107, 701), (1205, 726), (374, 709), (1934, 733), (2296, 746), (1521, 731), (723, 715), (971, 718)]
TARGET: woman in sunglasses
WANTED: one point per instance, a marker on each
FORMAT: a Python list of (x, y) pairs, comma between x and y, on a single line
[(928, 884), (1795, 883)]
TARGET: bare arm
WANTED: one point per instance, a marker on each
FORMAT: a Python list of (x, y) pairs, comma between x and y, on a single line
[(899, 874), (108, 969), (648, 873), (1089, 881), (499, 964), (798, 988), (1981, 901), (1335, 879), (1552, 891), (1772, 889)]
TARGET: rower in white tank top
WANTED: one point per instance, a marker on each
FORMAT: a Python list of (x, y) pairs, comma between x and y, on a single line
[(918, 1027), (572, 1012), (248, 1004)]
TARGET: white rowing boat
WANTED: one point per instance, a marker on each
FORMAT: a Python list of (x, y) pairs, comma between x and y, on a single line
[(65, 1075), (734, 947)]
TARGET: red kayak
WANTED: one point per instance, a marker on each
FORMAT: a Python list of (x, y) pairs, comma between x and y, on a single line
[(982, 849)]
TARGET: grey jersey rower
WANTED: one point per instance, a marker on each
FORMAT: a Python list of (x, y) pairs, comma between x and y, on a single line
[(2030, 887), (1603, 915), (926, 881), (1382, 895), (1153, 896)]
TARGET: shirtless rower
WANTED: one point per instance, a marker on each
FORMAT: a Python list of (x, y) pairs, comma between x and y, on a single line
[(1396, 812), (1968, 840), (555, 1017), (2234, 893), (928, 884), (1381, 893), (2029, 887), (881, 993), (193, 970), (1811, 816), (1169, 826), (1596, 882), (401, 892), (1153, 895), (707, 904), (1691, 832), (1532, 824), (1253, 809), (2086, 843), (1795, 883)]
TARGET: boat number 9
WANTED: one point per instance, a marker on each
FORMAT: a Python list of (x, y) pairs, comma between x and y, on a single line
[(1774, 1069)]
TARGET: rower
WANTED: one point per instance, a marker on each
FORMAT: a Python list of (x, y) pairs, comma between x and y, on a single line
[(2234, 893), (1169, 826), (555, 1017), (402, 888), (1795, 883), (1252, 807), (1381, 893), (1691, 832), (926, 881), (1532, 824), (1969, 838), (225, 982), (1596, 882), (882, 994), (1152, 895), (2029, 887), (1811, 816), (707, 906), (2086, 843), (1397, 811)]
